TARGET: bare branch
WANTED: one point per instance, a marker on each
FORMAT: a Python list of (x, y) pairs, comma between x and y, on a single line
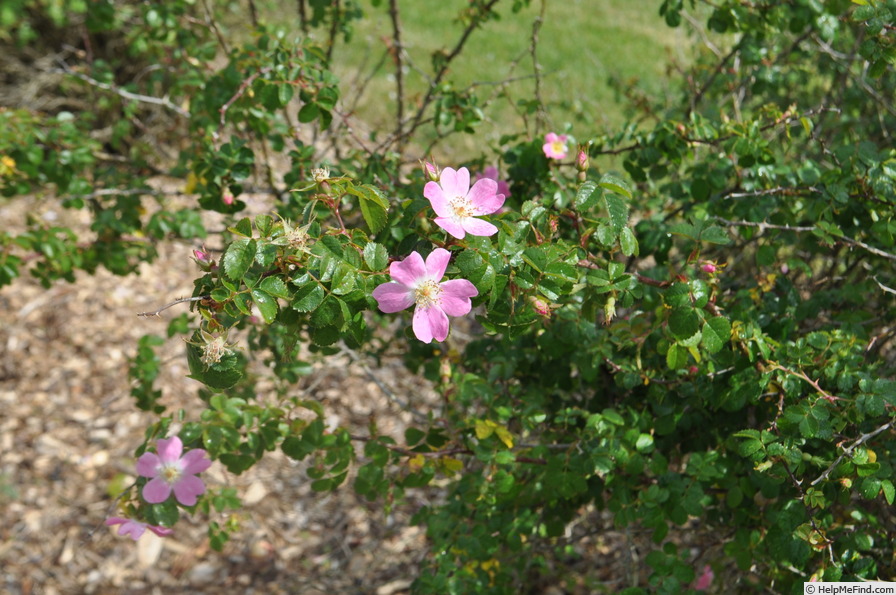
[(123, 93), (848, 450), (174, 303)]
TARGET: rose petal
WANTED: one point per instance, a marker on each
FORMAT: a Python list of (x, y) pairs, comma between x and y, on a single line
[(393, 297), (133, 529), (438, 323), (451, 226), (421, 326), (437, 199), (436, 263), (485, 198), (187, 489), (156, 491), (478, 227), (462, 181), (408, 271), (148, 465), (448, 183), (459, 288), (160, 531), (195, 461), (170, 450)]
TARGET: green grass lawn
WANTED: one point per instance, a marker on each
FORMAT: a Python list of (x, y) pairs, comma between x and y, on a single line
[(584, 45)]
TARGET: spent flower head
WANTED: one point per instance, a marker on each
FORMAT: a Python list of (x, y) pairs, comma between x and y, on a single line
[(136, 529), (457, 205), (172, 470), (554, 146), (214, 347), (418, 283)]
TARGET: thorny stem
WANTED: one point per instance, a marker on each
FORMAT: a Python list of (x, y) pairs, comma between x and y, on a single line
[(174, 303), (239, 92), (126, 94), (437, 79), (397, 51), (214, 27), (846, 240), (303, 17), (801, 375), (536, 67), (848, 450)]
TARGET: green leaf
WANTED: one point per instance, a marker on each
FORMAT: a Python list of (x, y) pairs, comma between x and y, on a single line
[(715, 235), (614, 184), (274, 286), (716, 332), (618, 212), (584, 195), (343, 280), (684, 323), (238, 258), (242, 228), (308, 297), (267, 305), (628, 242), (676, 357), (677, 295), (889, 491), (373, 205), (376, 256)]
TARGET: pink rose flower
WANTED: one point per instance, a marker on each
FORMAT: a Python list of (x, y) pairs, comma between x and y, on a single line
[(704, 580), (415, 282), (555, 146), (491, 173), (457, 205), (171, 471), (135, 529)]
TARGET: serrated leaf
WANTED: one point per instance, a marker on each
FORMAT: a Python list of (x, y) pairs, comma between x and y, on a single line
[(373, 205), (308, 297), (676, 357), (484, 429), (242, 228), (343, 280), (614, 184), (585, 198), (504, 436), (238, 258), (274, 286), (716, 332), (266, 303), (684, 323), (376, 256), (374, 215), (265, 253), (628, 242), (715, 235), (617, 209)]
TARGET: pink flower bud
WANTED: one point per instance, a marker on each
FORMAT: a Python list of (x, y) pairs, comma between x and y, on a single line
[(582, 159), (227, 198), (709, 268), (201, 256), (540, 306), (693, 370), (431, 172), (204, 260)]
